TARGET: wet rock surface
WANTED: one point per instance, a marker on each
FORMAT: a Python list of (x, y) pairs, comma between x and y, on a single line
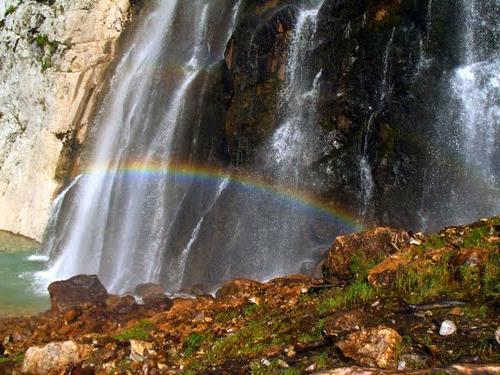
[(294, 323), (78, 290)]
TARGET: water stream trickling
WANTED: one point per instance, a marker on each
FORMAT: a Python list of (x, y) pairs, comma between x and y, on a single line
[(367, 187)]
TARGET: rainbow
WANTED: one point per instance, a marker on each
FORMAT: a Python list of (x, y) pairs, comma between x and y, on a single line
[(246, 180)]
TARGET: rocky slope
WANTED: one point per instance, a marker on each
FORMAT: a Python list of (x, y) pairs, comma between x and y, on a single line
[(54, 55), (389, 299)]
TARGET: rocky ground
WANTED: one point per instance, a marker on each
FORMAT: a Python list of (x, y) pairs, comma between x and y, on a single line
[(388, 301)]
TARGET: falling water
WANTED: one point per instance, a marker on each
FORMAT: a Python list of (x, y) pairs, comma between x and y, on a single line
[(119, 223), (365, 168), (465, 180), (295, 143), (477, 86), (180, 230)]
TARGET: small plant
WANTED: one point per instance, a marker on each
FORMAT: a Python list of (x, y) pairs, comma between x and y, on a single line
[(139, 332), (193, 343), (18, 358), (11, 9), (226, 316), (251, 310)]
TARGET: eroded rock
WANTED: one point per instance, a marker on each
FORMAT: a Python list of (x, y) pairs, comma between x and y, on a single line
[(344, 322), (373, 245), (372, 347), (41, 360)]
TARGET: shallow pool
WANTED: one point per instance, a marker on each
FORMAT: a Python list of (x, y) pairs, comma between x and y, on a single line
[(17, 296)]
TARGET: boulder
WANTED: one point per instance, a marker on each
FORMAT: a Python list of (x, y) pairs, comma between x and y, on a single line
[(54, 357), (238, 288), (372, 347), (79, 290), (373, 245), (344, 322), (158, 301), (139, 349), (121, 304)]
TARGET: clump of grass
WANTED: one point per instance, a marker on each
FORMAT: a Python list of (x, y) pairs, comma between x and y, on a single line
[(491, 276), (251, 310), (141, 331), (419, 283), (434, 242), (314, 334), (476, 237), (225, 316), (18, 358), (359, 266), (193, 343), (355, 294)]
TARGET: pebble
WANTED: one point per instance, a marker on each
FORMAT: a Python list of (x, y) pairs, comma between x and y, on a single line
[(447, 328), (311, 368), (401, 365), (497, 335)]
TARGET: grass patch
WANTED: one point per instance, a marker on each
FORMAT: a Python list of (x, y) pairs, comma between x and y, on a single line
[(18, 358), (418, 284), (251, 310), (193, 343), (491, 276), (434, 242), (355, 294), (141, 331), (226, 316), (359, 266), (475, 238)]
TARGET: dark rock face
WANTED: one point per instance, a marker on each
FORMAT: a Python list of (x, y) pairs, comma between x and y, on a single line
[(79, 290), (383, 65)]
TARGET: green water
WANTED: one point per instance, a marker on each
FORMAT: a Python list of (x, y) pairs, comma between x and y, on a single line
[(17, 296)]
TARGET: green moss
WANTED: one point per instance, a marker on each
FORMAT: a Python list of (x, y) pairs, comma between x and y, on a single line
[(139, 332), (11, 9)]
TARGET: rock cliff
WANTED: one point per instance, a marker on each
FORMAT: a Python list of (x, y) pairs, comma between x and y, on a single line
[(54, 55)]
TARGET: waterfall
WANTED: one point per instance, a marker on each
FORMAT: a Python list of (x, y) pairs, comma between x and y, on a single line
[(120, 223), (463, 176), (294, 143), (476, 84)]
